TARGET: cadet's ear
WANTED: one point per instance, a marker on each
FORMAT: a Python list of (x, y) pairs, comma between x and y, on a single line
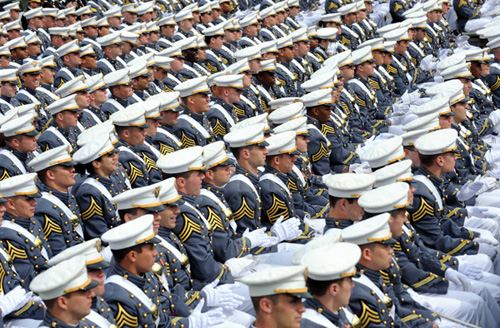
[(366, 254), (266, 305), (333, 289)]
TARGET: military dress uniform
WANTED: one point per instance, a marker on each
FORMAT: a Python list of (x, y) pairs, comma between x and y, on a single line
[(165, 140), (28, 96), (115, 104), (12, 162), (398, 70), (25, 242), (66, 74), (56, 136), (492, 80), (214, 62), (106, 65), (59, 215), (102, 309), (397, 8), (5, 105), (132, 161), (288, 80), (98, 213), (318, 149), (338, 319), (248, 41), (213, 206), (193, 129), (195, 233), (221, 117)]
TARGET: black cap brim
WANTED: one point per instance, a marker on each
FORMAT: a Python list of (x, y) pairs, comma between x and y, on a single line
[(68, 163), (144, 126), (99, 265), (262, 144), (35, 195), (390, 241), (93, 284), (154, 209), (448, 114), (178, 202), (301, 295), (305, 134), (31, 133), (153, 240), (3, 200), (295, 152)]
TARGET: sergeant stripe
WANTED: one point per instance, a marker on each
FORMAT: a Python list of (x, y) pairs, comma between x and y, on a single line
[(427, 280)]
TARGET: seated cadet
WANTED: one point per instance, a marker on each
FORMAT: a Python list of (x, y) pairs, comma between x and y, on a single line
[(284, 71), (191, 226), (99, 159), (79, 89), (167, 30), (8, 88), (344, 191), (27, 94), (161, 71), (140, 79), (212, 205), (437, 230), (100, 313), (330, 282), (111, 48), (371, 299), (173, 68), (250, 36), (120, 87), (277, 201), (214, 38), (62, 130), (185, 21), (130, 124), (228, 90), (298, 182), (301, 46), (23, 235), (132, 275), (57, 211), (20, 139), (92, 114), (193, 127), (89, 60), (276, 296), (70, 56), (265, 81), (164, 139), (67, 291)]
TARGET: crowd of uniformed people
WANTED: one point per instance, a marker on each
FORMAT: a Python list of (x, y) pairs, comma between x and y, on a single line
[(244, 163)]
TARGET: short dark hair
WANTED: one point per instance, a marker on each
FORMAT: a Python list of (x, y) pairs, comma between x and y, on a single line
[(184, 175), (132, 211), (333, 200), (256, 300), (427, 160), (318, 287), (119, 254), (392, 213)]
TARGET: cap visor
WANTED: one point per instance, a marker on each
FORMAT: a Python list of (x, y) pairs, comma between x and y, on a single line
[(154, 209), (31, 133), (178, 202), (448, 114), (99, 265), (295, 152), (307, 134), (206, 92), (301, 295), (144, 126), (180, 57), (93, 284), (69, 163), (3, 200), (390, 241), (35, 195), (153, 240), (114, 151), (263, 144)]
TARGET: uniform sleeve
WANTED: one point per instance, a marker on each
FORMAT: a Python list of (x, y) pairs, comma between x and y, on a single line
[(244, 204), (136, 170), (317, 151)]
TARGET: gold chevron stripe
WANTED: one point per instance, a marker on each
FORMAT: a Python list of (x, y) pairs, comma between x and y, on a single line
[(125, 319), (189, 227), (93, 209), (244, 211), (50, 226), (277, 209)]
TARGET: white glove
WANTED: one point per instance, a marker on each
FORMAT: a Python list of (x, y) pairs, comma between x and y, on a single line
[(488, 183), (469, 190), (494, 118), (13, 300), (443, 53), (458, 279), (421, 101), (207, 319), (397, 120), (238, 266), (288, 230), (471, 270), (315, 225), (487, 249), (409, 98), (400, 109), (490, 241), (259, 238), (478, 211), (428, 63), (364, 167), (221, 297), (438, 79)]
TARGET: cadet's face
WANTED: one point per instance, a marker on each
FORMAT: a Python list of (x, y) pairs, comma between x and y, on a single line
[(27, 144), (99, 96), (98, 276), (324, 113), (301, 142), (217, 42), (125, 91), (257, 156), (302, 48), (24, 206), (445, 122), (255, 65), (354, 211), (5, 61), (234, 95), (32, 81), (109, 163), (381, 256), (420, 34), (64, 176), (348, 72), (74, 59), (168, 216), (222, 175), (177, 64), (79, 303), (69, 119), (287, 313), (201, 103), (9, 90), (192, 184), (82, 99), (153, 126), (137, 136), (286, 162), (467, 86), (387, 58), (47, 75), (33, 49), (485, 69), (2, 211), (397, 222), (460, 111), (449, 162), (401, 46), (146, 259), (170, 117), (344, 292)]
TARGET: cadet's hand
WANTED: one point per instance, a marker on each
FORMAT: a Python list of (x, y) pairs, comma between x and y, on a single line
[(287, 230), (207, 319), (259, 238), (471, 270), (221, 297), (487, 249), (239, 265), (469, 190), (428, 63), (13, 300), (458, 279)]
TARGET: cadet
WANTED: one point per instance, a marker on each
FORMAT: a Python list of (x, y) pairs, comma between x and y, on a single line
[(89, 60), (265, 81), (213, 206), (276, 296), (92, 115), (330, 282), (164, 139), (99, 159), (130, 124), (22, 235), (250, 35), (62, 129), (192, 228), (132, 275), (228, 90), (120, 87), (193, 127), (57, 210), (67, 291), (284, 70), (20, 139), (70, 56), (277, 201), (140, 79), (112, 49), (8, 88), (214, 40), (100, 313)]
